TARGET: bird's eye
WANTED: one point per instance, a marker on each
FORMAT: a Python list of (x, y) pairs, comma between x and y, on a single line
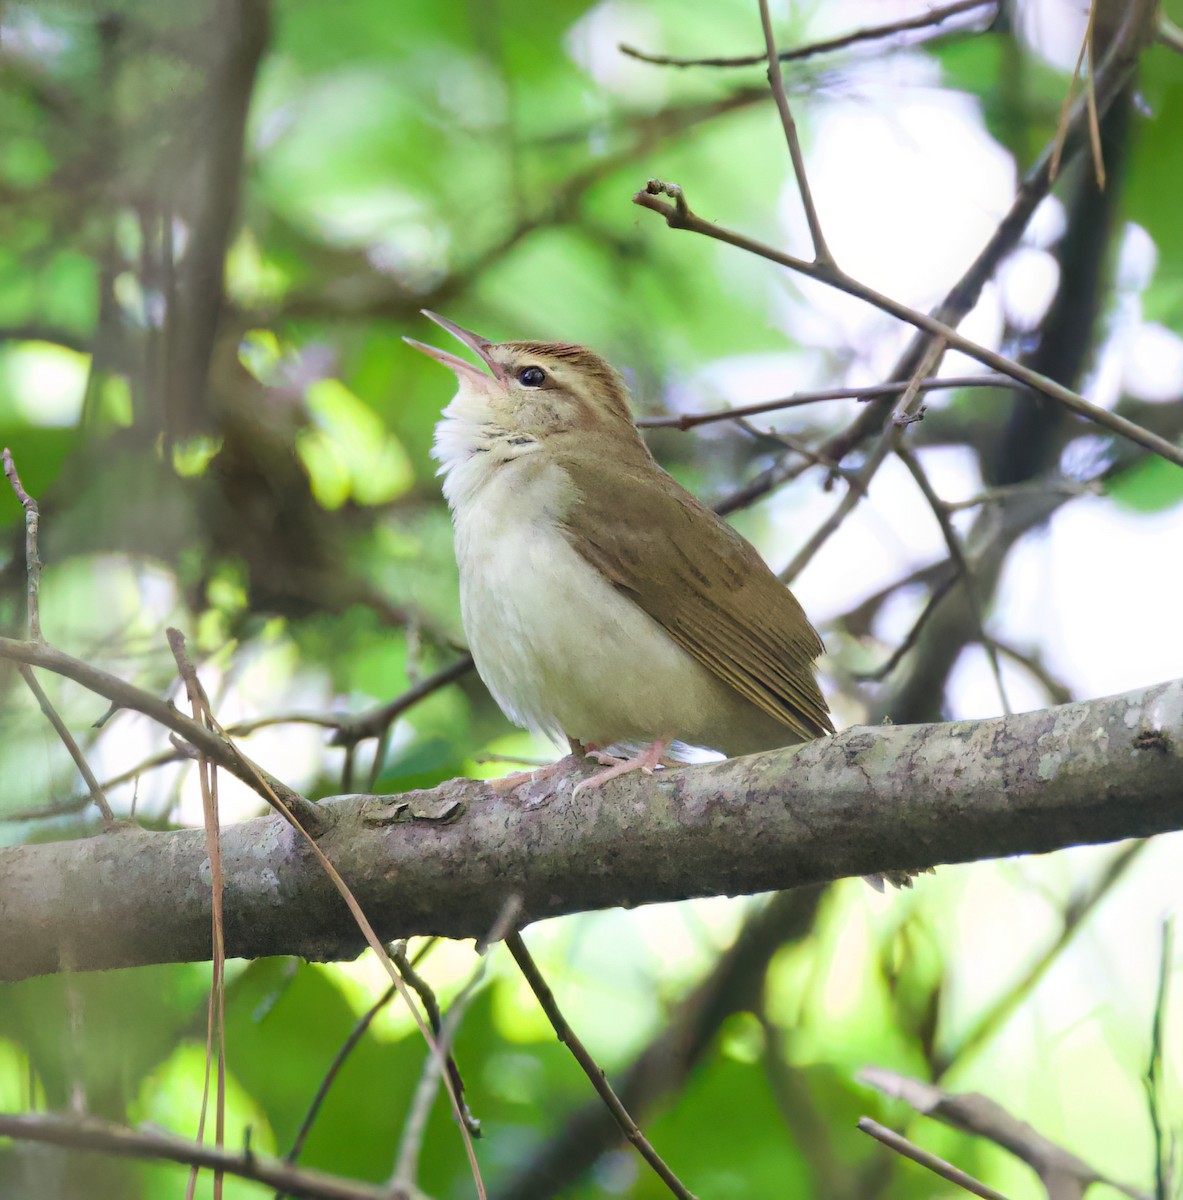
[(532, 377)]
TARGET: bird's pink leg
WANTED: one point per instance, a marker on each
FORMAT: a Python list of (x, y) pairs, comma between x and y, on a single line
[(648, 759), (506, 783)]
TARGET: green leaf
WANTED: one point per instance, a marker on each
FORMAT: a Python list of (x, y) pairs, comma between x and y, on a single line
[(1151, 486)]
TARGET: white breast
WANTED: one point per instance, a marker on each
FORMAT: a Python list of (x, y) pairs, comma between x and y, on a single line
[(559, 648)]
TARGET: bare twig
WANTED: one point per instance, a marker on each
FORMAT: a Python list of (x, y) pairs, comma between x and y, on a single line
[(939, 591), (926, 1158), (957, 555), (1063, 1174), (566, 1035), (431, 1006), (1057, 691), (32, 557), (93, 786), (679, 216), (347, 1047), (33, 625), (126, 695), (1007, 492), (215, 1036), (934, 16), (1163, 1149), (1094, 125), (876, 391), (403, 1183), (909, 404), (821, 252), (351, 730), (92, 1134)]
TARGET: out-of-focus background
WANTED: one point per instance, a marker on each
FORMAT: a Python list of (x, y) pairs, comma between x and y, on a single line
[(217, 221)]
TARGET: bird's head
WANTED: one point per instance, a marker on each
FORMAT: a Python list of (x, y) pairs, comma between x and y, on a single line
[(523, 394)]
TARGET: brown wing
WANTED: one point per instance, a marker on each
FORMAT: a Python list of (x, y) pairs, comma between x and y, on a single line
[(702, 581)]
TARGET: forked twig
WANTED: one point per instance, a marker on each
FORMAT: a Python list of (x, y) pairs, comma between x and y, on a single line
[(678, 215), (821, 252)]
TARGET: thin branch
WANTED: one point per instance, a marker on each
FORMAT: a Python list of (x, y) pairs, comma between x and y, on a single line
[(347, 1047), (406, 1171), (373, 723), (909, 405), (595, 1073), (215, 1035), (1094, 126), (821, 252), (1062, 1173), (32, 557), (680, 1043), (126, 695), (957, 555), (33, 626), (1013, 491), (679, 216), (92, 1134), (870, 33), (431, 1006), (901, 1145), (1057, 691), (940, 590), (876, 391), (1153, 1079), (93, 786)]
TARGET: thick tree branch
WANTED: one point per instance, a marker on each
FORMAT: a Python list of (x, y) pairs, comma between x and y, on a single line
[(868, 800)]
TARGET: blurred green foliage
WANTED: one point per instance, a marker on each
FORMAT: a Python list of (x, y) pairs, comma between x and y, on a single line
[(248, 458)]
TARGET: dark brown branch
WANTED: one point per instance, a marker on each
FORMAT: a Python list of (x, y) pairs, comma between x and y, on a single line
[(351, 730), (875, 391), (347, 1047), (733, 984), (591, 1068), (679, 216), (821, 252), (870, 33), (1063, 1175), (938, 1166), (92, 1134)]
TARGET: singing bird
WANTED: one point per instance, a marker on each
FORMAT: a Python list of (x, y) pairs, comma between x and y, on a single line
[(602, 602)]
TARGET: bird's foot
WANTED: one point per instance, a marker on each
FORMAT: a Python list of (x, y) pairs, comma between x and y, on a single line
[(506, 783), (648, 759)]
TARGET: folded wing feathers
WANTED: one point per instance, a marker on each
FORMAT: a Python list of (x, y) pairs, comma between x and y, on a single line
[(731, 613)]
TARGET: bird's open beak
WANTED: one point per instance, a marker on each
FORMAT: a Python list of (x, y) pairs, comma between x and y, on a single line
[(461, 366)]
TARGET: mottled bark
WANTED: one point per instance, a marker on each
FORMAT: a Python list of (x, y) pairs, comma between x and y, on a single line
[(870, 799)]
